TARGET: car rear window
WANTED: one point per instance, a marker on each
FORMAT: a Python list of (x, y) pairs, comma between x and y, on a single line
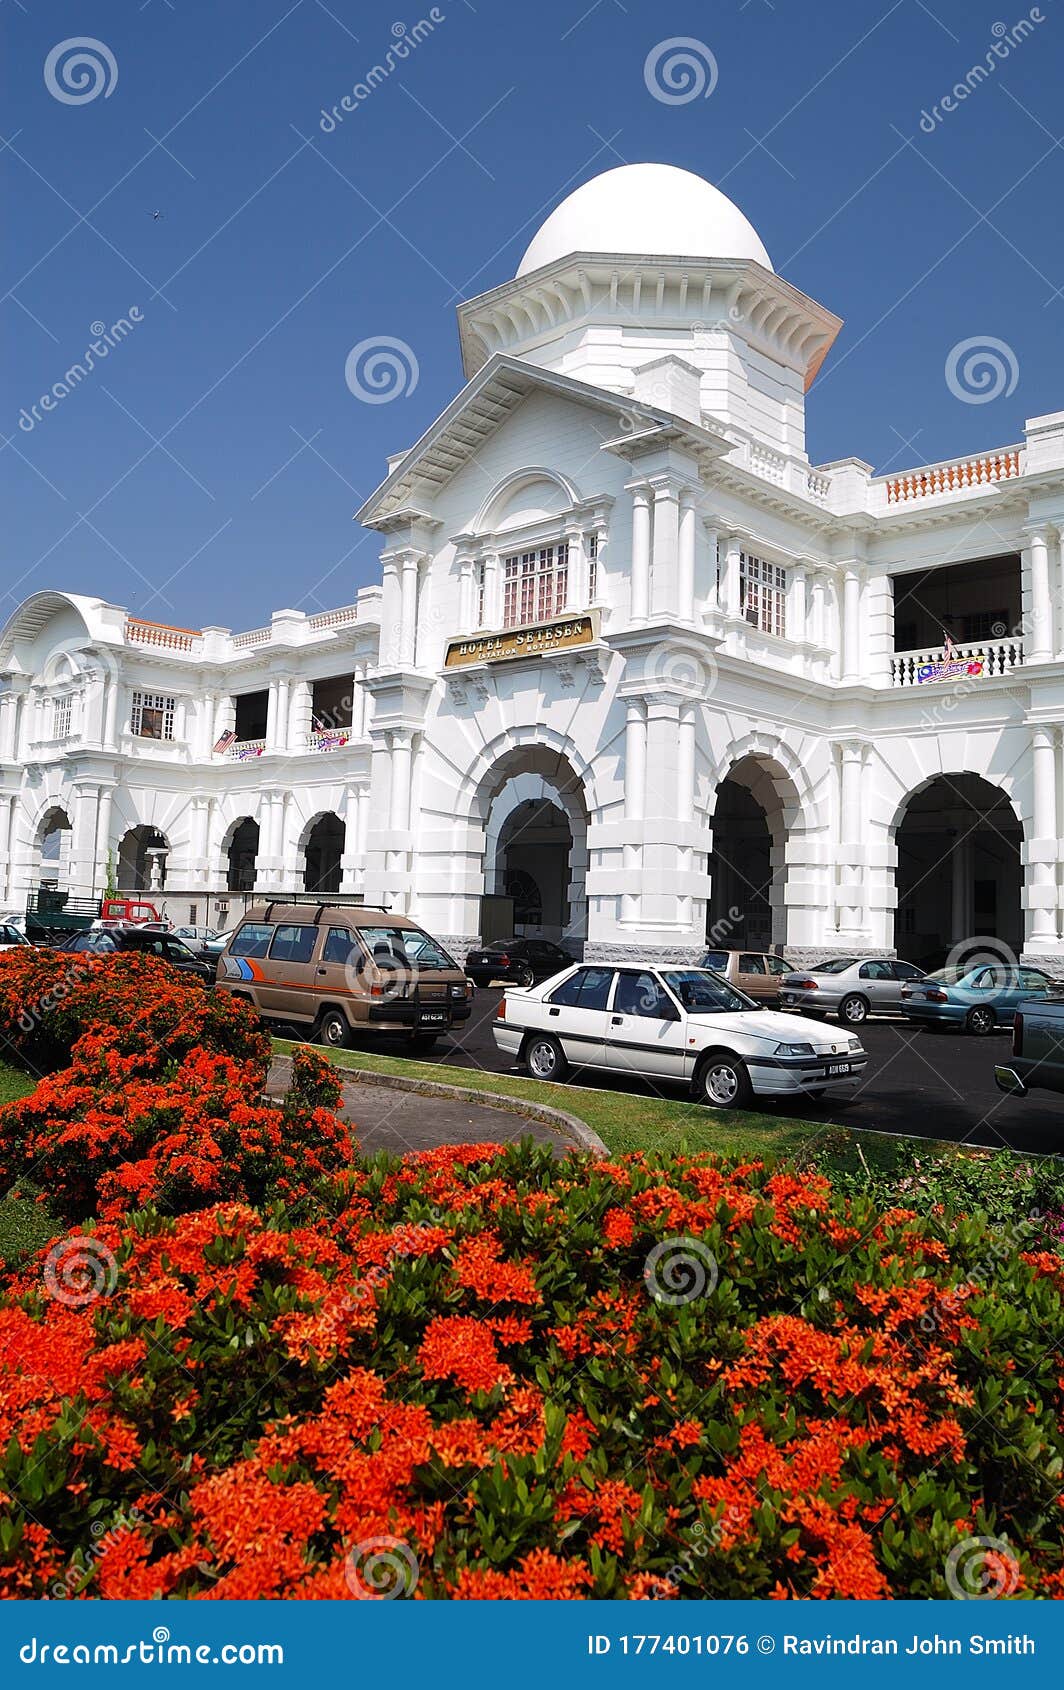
[(835, 965), (253, 939)]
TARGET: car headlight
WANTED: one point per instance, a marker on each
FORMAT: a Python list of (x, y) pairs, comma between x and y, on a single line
[(855, 1044), (793, 1050), (458, 991)]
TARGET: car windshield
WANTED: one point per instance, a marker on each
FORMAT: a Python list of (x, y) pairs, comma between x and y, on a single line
[(702, 993), (835, 965), (397, 945)]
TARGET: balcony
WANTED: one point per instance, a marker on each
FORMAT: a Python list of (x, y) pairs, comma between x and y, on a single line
[(958, 476), (965, 663)]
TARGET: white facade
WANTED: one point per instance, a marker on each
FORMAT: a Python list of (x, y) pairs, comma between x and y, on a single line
[(744, 745)]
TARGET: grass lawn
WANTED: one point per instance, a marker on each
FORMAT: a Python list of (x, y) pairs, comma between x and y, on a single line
[(627, 1122), (25, 1224)]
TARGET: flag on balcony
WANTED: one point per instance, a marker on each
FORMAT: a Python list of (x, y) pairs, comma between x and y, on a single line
[(224, 741)]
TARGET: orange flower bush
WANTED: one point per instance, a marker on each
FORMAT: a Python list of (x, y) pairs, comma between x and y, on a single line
[(463, 1358)]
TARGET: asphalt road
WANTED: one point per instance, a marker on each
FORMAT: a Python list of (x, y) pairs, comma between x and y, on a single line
[(933, 1085)]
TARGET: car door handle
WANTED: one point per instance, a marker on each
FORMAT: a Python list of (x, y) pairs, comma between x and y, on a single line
[(616, 1020), (320, 971)]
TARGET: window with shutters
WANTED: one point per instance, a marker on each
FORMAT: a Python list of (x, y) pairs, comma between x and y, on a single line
[(535, 585), (152, 715), (763, 594), (61, 716)]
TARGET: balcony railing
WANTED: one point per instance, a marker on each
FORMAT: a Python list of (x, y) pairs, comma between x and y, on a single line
[(967, 663), (161, 635), (242, 750), (936, 479)]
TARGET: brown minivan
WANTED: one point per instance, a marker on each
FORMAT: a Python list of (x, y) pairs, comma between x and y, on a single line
[(344, 970)]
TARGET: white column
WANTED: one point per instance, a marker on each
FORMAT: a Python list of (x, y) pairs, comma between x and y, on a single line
[(1057, 591), (401, 751), (731, 575), (492, 591), (1042, 849), (8, 704), (685, 570), (391, 612), (851, 867), (7, 826), (103, 837), (635, 760), (576, 572), (818, 617), (358, 702), (282, 712), (797, 625), (851, 625), (640, 590), (685, 764), (408, 613), (714, 595), (666, 551), (466, 597), (271, 716), (1041, 645)]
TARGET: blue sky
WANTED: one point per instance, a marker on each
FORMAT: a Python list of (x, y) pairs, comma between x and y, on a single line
[(208, 470)]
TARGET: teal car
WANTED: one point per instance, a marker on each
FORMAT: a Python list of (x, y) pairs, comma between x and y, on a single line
[(976, 999)]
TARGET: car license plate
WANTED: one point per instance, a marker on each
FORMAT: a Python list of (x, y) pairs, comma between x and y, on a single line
[(786, 997), (435, 1016), (840, 1068)]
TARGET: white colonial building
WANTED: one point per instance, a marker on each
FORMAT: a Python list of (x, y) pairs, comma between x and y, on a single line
[(635, 663)]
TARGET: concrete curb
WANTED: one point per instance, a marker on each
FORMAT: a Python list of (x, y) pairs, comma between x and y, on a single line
[(556, 1119)]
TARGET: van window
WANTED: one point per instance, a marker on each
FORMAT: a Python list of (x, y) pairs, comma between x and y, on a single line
[(394, 947), (293, 944), (253, 939), (339, 943)]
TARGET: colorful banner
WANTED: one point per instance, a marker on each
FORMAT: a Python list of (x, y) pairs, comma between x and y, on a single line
[(965, 668)]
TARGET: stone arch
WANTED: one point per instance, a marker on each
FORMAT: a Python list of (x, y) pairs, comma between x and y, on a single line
[(239, 853), (321, 847), (141, 860), (956, 841), (532, 803), (563, 497), (52, 840), (758, 810)]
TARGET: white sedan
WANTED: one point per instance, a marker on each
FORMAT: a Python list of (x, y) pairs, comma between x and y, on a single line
[(680, 1024)]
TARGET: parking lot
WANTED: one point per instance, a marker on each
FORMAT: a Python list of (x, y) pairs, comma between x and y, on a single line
[(924, 1084)]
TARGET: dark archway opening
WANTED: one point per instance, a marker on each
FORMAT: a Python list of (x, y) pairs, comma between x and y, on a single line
[(325, 847), (534, 854), (739, 913), (242, 856), (959, 876), (142, 860)]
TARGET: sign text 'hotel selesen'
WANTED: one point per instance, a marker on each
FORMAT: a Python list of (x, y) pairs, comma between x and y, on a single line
[(562, 635)]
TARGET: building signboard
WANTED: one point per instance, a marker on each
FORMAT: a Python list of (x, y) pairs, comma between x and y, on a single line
[(566, 633)]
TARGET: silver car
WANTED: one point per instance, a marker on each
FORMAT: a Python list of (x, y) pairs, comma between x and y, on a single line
[(853, 988)]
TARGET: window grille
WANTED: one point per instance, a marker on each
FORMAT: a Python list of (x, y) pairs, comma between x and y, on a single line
[(481, 589), (152, 715), (763, 594), (535, 585), (61, 717), (592, 568)]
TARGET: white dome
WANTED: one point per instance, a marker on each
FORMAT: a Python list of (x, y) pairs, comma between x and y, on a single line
[(646, 208)]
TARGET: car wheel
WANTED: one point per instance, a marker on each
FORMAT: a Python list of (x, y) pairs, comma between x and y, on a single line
[(523, 975), (544, 1058), (333, 1030), (980, 1022), (723, 1083), (853, 1010)]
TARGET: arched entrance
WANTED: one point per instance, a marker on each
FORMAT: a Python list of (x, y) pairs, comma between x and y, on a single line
[(241, 854), (535, 823), (756, 807), (142, 860), (322, 852), (959, 874), (53, 845)]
